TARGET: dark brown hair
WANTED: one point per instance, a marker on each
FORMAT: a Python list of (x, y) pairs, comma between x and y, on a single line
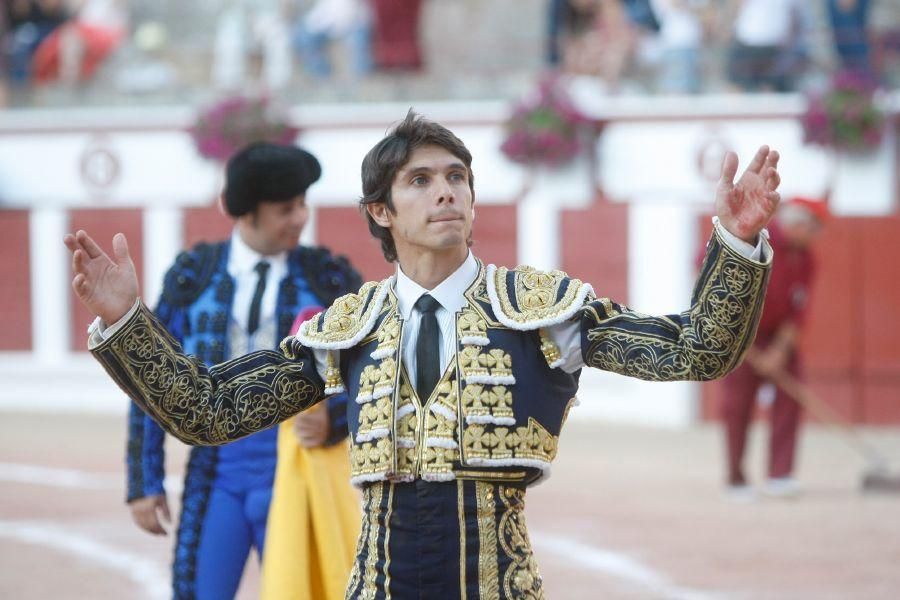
[(383, 161)]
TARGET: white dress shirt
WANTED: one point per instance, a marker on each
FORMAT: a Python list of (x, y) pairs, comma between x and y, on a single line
[(242, 261), (449, 294)]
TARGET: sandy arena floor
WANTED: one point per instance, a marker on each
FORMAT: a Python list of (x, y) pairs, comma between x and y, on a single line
[(628, 513)]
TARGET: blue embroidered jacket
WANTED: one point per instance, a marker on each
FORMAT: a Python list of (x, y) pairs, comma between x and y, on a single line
[(195, 307)]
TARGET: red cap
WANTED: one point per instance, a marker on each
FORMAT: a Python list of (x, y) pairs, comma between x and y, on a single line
[(816, 206)]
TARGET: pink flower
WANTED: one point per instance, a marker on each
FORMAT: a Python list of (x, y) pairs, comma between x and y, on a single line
[(846, 116), (234, 122), (543, 129)]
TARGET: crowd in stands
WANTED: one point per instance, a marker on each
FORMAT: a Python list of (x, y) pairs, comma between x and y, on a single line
[(629, 46), (759, 45)]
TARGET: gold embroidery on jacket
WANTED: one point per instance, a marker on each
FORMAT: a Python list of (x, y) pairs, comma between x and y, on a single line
[(536, 293), (407, 430), (372, 450), (490, 401), (177, 390), (470, 363), (572, 402), (461, 516), (345, 317), (502, 443), (388, 336), (376, 490), (439, 439), (375, 416), (386, 373), (355, 573), (387, 542), (702, 343), (521, 579), (485, 397), (550, 350), (497, 361), (488, 570), (368, 458), (471, 326), (367, 379)]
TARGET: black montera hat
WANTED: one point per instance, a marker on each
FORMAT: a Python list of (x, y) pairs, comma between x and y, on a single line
[(266, 172)]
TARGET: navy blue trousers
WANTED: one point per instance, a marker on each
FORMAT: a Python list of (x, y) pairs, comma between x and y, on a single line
[(457, 539)]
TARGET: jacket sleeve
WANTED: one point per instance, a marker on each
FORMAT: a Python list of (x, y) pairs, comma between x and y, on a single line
[(207, 406), (705, 342), (146, 456)]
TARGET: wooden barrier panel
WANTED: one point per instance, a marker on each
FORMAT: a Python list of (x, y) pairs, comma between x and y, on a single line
[(15, 273)]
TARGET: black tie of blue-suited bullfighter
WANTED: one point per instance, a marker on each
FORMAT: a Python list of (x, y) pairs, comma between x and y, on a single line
[(262, 269)]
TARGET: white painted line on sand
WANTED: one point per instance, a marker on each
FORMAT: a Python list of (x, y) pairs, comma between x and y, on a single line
[(617, 565), (151, 578), (73, 478), (65, 478)]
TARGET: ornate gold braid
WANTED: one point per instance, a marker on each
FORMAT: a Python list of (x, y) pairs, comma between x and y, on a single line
[(702, 343), (536, 293), (203, 406)]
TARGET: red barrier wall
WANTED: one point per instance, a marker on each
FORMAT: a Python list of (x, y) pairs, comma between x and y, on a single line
[(15, 293)]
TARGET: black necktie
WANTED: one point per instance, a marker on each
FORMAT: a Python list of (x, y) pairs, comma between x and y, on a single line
[(262, 268), (428, 350)]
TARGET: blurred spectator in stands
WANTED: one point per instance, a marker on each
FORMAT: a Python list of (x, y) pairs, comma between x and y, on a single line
[(645, 51), (146, 68), (769, 46), (884, 25), (395, 43), (680, 38), (29, 22), (4, 63), (593, 37), (553, 50), (848, 20), (642, 15), (568, 21), (347, 21), (252, 35), (73, 52)]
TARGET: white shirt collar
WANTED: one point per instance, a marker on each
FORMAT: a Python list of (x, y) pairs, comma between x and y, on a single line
[(242, 259), (449, 293)]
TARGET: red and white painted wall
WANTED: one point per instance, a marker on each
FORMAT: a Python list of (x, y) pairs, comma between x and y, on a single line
[(628, 219)]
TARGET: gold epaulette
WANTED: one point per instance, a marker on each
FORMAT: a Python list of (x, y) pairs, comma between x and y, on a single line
[(525, 298), (347, 321)]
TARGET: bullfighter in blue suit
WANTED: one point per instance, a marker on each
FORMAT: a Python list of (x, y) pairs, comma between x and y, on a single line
[(221, 301)]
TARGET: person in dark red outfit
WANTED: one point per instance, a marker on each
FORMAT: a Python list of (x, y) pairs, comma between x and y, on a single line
[(774, 352), (396, 40)]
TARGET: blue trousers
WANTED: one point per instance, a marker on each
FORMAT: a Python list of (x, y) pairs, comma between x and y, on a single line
[(235, 522)]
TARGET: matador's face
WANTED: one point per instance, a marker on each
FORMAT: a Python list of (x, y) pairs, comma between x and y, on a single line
[(433, 203)]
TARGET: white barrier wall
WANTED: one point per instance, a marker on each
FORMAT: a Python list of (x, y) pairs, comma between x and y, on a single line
[(660, 155)]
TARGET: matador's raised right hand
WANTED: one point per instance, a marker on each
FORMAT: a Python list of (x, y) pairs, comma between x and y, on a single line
[(107, 286)]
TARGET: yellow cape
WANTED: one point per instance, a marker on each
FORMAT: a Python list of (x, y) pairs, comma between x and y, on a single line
[(313, 523)]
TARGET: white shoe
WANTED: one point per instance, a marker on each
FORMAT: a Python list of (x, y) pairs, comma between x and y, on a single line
[(782, 487), (740, 493)]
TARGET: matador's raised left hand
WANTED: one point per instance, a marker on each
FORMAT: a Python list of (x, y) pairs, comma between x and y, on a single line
[(745, 207)]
